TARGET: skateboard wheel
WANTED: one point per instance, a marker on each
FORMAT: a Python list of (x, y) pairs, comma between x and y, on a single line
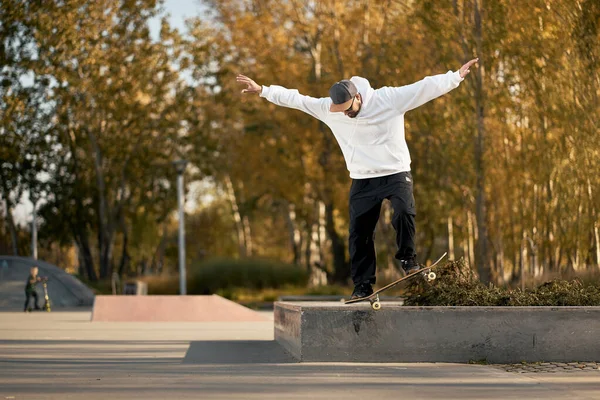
[(376, 306), (431, 276)]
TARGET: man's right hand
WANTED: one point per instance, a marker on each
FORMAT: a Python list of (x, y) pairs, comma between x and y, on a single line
[(251, 86)]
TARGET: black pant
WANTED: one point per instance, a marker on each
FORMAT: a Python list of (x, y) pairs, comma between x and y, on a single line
[(29, 294), (366, 197)]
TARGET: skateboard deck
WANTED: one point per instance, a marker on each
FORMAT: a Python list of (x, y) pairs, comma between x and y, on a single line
[(374, 297)]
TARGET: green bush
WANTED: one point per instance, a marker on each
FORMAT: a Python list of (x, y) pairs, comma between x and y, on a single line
[(456, 285), (328, 290), (223, 276), (162, 284), (98, 287)]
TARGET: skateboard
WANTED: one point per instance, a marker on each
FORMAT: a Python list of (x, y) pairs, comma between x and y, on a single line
[(373, 298)]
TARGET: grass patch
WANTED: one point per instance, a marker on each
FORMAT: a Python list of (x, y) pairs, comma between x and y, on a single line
[(483, 361)]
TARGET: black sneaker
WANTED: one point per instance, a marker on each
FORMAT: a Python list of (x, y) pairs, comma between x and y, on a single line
[(409, 265), (362, 290)]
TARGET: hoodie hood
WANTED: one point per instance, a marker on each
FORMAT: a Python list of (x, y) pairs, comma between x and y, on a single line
[(364, 88)]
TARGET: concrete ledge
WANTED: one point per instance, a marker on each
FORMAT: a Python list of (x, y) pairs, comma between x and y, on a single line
[(338, 332)]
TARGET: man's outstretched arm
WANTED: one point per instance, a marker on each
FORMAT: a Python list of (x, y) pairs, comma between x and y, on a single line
[(291, 98), (409, 97)]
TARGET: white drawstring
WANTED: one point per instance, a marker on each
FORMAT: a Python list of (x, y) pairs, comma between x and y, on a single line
[(350, 142)]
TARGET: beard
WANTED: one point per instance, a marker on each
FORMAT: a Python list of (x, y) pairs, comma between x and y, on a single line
[(353, 114)]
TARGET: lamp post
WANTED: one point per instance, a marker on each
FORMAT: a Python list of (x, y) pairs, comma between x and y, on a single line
[(34, 233), (180, 167)]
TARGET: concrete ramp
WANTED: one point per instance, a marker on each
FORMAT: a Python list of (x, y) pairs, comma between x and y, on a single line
[(171, 309)]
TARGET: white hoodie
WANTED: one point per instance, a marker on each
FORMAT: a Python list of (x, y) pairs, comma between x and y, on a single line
[(373, 143)]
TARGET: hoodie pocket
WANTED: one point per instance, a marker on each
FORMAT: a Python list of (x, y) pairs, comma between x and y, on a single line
[(375, 158)]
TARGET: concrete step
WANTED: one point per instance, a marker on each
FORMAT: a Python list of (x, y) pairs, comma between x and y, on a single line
[(355, 333)]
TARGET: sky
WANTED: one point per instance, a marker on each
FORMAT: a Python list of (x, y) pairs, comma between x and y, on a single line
[(178, 11)]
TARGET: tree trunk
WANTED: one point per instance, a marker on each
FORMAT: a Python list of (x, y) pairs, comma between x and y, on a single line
[(367, 51), (341, 269), (106, 260), (465, 248), (451, 256), (236, 216), (576, 258), (160, 251), (78, 224), (85, 253), (381, 32), (81, 271), (248, 236), (14, 237), (482, 251), (316, 264), (471, 239), (307, 234), (500, 262), (550, 227), (293, 231), (597, 243), (340, 266), (104, 248), (125, 258)]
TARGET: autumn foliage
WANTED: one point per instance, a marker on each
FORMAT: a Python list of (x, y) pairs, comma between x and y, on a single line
[(505, 167)]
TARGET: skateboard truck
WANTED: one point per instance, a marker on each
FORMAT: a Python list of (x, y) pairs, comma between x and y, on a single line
[(375, 303), (429, 276)]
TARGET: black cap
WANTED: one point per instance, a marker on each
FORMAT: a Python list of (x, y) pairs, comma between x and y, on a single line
[(343, 91)]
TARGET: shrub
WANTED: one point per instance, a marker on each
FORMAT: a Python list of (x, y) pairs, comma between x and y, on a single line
[(224, 275), (456, 285), (162, 284)]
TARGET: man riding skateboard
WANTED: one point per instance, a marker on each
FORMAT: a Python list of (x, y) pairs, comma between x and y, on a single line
[(368, 125)]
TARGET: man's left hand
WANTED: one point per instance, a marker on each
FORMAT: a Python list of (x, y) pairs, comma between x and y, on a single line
[(464, 70)]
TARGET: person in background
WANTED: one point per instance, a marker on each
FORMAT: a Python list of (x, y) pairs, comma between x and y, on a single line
[(30, 290)]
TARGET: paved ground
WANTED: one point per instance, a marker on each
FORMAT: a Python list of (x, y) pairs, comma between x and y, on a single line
[(61, 355), (551, 367)]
